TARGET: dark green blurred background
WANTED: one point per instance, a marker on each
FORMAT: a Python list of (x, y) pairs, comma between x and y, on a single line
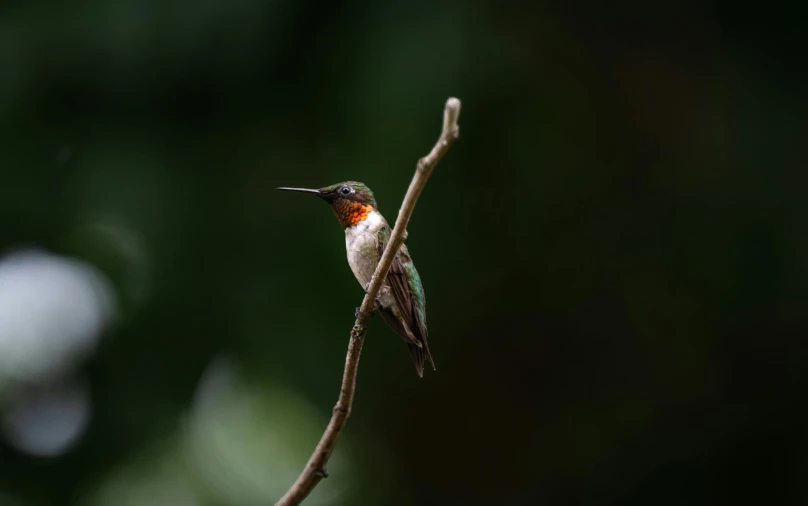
[(614, 253)]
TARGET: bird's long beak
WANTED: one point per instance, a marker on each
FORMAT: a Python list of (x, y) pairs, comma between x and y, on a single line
[(306, 190)]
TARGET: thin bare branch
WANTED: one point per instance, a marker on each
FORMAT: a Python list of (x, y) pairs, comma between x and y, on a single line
[(315, 468)]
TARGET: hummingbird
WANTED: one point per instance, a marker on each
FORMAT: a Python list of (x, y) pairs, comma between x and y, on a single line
[(401, 299)]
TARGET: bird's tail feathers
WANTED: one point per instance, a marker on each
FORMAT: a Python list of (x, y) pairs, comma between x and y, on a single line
[(419, 355)]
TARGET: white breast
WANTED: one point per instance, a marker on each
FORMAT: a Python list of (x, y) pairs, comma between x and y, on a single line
[(360, 244)]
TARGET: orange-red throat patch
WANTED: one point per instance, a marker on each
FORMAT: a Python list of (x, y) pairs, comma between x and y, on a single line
[(350, 212)]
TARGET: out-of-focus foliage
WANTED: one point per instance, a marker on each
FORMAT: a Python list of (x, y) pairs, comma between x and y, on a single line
[(614, 253)]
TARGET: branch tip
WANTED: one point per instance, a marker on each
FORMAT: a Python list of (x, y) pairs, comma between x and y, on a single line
[(450, 115)]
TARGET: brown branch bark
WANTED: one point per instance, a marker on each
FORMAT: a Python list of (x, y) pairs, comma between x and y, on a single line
[(315, 468)]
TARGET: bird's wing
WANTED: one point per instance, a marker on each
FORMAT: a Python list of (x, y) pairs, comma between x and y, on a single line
[(418, 307), (403, 280), (405, 285)]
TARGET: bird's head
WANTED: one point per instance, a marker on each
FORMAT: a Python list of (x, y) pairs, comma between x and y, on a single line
[(351, 201)]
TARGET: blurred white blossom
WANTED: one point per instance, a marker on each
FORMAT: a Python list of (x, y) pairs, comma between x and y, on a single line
[(48, 421), (53, 309)]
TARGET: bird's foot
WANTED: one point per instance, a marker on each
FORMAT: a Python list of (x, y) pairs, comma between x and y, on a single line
[(321, 472), (367, 287)]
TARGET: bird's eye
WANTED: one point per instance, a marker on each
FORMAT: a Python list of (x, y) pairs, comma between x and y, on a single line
[(345, 190)]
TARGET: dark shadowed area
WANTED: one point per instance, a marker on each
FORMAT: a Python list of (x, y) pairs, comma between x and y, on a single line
[(614, 252)]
